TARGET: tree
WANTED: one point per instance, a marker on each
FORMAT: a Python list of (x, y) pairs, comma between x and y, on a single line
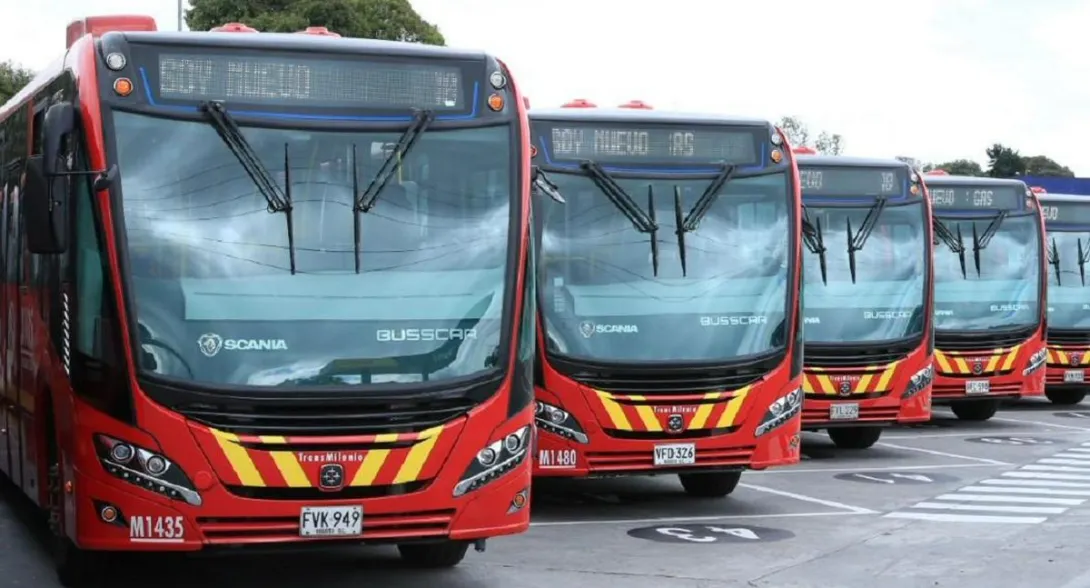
[(829, 143), (1039, 165), (1005, 162), (960, 167), (391, 20), (12, 79), (799, 135)]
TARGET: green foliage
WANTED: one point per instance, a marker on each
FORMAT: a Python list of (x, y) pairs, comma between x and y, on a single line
[(1005, 162), (960, 167), (1039, 165), (799, 135), (391, 20), (12, 79)]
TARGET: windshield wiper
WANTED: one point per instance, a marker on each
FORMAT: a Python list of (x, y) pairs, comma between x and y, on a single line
[(1054, 260), (700, 208), (365, 201), (956, 243), (1084, 256), (815, 241), (540, 182), (979, 243), (642, 221), (857, 241), (279, 200)]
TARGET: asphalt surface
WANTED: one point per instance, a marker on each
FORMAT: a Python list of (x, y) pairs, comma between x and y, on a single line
[(1000, 503)]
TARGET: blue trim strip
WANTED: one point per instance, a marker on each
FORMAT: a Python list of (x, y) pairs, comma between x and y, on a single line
[(322, 117), (650, 170)]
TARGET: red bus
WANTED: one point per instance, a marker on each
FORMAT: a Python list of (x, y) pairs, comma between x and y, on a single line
[(1067, 220), (668, 296), (266, 289), (990, 286), (868, 297)]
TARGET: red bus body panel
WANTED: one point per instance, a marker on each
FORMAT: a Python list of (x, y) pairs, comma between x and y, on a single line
[(1063, 359), (1003, 368), (877, 389), (730, 417), (224, 466)]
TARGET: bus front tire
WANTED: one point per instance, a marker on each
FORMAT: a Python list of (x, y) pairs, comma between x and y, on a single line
[(1067, 397), (855, 437), (446, 554), (710, 485), (975, 410)]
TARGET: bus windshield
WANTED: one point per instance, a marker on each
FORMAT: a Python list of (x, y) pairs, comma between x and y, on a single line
[(1005, 291), (885, 298), (209, 259), (1068, 300), (603, 299)]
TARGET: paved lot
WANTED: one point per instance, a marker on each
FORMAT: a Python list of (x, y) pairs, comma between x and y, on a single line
[(1001, 503)]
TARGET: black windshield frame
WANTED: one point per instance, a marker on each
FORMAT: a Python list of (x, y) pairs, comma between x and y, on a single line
[(511, 298), (689, 173), (984, 217), (863, 204)]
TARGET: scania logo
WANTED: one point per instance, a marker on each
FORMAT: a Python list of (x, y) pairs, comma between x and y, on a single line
[(675, 423), (845, 388), (210, 344), (978, 367), (586, 328), (331, 476)]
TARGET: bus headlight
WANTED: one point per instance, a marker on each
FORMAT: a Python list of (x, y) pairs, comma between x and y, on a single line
[(558, 421), (919, 380), (145, 468), (1036, 361), (495, 460), (782, 410)]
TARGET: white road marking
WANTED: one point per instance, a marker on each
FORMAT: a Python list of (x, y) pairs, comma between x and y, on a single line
[(1074, 462), (1051, 468), (945, 454), (964, 518), (1016, 490), (704, 519), (1039, 423), (1045, 476), (958, 496), (1034, 483), (792, 470), (812, 499), (991, 508)]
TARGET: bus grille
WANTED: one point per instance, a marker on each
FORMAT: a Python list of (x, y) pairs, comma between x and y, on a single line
[(849, 356), (1068, 337), (973, 341)]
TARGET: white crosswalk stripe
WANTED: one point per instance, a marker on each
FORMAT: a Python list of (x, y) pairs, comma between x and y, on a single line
[(1028, 495)]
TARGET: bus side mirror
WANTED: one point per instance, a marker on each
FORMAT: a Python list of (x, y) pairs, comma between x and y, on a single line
[(45, 209), (60, 120)]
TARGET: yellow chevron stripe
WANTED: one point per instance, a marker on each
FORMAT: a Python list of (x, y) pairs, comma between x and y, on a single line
[(418, 455), (372, 461), (733, 407), (704, 411), (287, 463), (240, 460), (615, 412)]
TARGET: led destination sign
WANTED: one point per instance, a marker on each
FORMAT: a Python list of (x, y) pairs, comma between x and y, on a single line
[(636, 144), (852, 181), (977, 197)]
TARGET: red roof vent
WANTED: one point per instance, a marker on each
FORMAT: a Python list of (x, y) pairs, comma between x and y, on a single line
[(526, 102), (100, 25), (937, 172), (637, 105), (233, 27), (803, 150), (1038, 190), (580, 103), (319, 31)]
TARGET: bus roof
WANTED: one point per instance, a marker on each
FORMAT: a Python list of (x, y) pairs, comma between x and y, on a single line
[(1050, 197), (640, 115), (931, 180), (848, 161), (302, 43)]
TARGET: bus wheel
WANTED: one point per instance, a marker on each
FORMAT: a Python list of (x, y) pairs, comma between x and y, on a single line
[(1066, 397), (711, 485), (974, 410), (855, 437), (446, 554), (74, 566)]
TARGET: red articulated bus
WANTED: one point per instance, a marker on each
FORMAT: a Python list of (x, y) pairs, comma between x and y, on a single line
[(1067, 222), (869, 294), (668, 274), (266, 289), (990, 292)]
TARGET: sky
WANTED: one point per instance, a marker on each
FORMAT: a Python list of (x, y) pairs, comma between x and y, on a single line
[(932, 79)]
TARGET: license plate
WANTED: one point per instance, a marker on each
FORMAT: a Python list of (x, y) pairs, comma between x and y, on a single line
[(847, 411), (331, 521), (978, 386), (675, 454), (1074, 376)]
